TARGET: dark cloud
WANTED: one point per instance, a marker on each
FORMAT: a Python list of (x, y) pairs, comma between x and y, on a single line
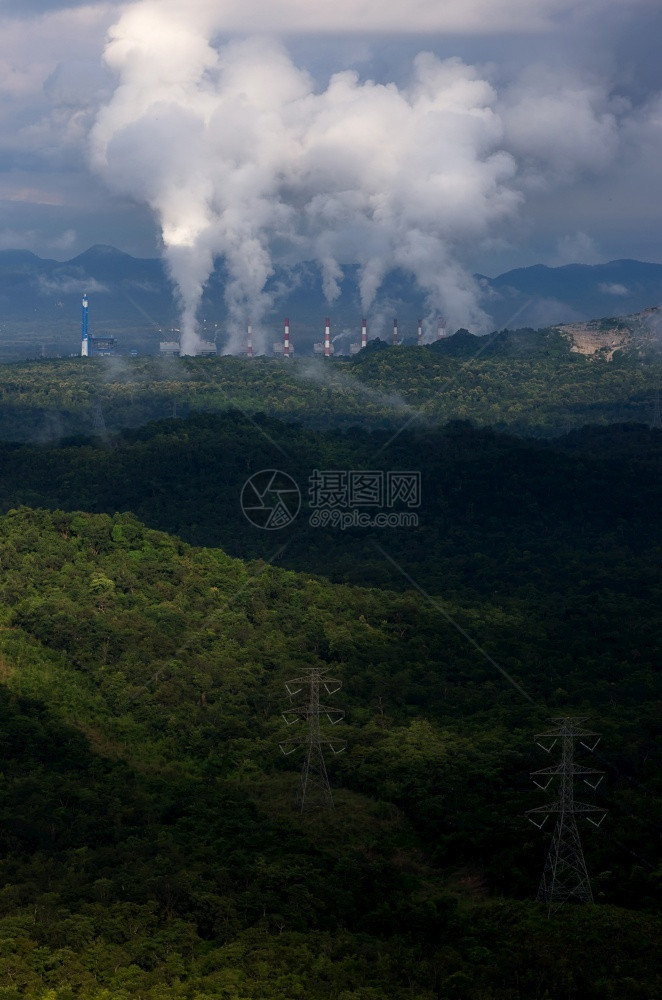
[(577, 97)]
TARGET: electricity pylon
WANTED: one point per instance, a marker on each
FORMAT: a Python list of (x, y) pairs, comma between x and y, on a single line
[(565, 877), (315, 789)]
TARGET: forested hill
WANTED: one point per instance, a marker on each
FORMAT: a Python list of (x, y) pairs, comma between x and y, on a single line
[(528, 383), (564, 538), (148, 843), (498, 516), (149, 847)]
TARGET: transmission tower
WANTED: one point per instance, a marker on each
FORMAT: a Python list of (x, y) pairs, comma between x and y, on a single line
[(565, 877), (315, 789)]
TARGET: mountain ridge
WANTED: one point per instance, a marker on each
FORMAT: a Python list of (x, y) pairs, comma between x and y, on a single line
[(40, 298), (540, 295)]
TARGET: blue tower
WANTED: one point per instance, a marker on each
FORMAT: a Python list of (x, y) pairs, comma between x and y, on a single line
[(85, 343)]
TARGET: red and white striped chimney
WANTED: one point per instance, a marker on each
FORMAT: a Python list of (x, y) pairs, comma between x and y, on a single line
[(327, 338), (420, 332), (441, 329), (395, 332), (286, 338), (249, 341), (364, 333)]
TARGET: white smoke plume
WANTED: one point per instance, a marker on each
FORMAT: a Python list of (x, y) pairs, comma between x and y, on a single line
[(241, 158)]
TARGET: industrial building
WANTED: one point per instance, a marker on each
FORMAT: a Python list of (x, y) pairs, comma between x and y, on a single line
[(207, 349), (91, 347), (101, 347), (84, 338), (171, 349), (327, 348), (107, 345), (285, 348), (355, 348)]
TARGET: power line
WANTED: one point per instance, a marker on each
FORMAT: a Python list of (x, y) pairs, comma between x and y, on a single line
[(315, 788), (565, 877)]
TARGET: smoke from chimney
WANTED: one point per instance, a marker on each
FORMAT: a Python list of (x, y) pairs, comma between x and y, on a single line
[(242, 157)]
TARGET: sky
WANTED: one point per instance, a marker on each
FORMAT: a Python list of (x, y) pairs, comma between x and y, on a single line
[(443, 137)]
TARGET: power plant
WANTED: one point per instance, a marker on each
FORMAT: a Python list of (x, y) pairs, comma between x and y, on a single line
[(355, 348), (107, 345), (327, 348), (172, 349), (207, 349), (84, 343), (285, 348), (91, 347)]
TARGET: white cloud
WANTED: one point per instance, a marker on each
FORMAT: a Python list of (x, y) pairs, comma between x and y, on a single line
[(613, 289), (235, 149), (34, 240), (556, 134), (560, 126), (31, 48), (358, 16), (15, 239), (577, 248), (65, 241), (70, 284)]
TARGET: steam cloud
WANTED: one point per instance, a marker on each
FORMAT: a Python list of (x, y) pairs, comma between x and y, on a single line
[(240, 157)]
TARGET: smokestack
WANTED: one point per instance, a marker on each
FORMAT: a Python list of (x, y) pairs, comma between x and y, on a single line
[(364, 333), (84, 342), (286, 338), (441, 329), (327, 338), (420, 332), (249, 341), (395, 332)]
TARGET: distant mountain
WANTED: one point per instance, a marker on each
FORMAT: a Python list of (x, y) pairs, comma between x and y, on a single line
[(121, 288), (545, 296), (133, 298), (109, 264)]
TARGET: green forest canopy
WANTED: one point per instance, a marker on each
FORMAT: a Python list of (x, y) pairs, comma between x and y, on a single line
[(144, 683), (530, 384), (149, 845)]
